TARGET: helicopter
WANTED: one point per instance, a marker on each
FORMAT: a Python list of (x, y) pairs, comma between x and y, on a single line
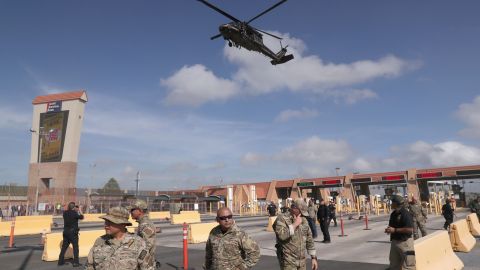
[(242, 35)]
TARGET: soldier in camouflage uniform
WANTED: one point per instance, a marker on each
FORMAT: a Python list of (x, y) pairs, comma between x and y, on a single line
[(228, 247), (118, 249), (294, 238), (474, 206), (146, 229), (419, 218)]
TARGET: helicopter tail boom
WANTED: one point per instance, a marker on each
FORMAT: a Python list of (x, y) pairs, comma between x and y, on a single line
[(281, 58)]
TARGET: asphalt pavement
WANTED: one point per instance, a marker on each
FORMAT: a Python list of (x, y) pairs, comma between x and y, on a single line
[(360, 249)]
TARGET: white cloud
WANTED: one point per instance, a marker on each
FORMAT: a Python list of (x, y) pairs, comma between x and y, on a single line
[(255, 75), (14, 118), (315, 156), (252, 159), (195, 85), (470, 114), (352, 96), (421, 154), (304, 113)]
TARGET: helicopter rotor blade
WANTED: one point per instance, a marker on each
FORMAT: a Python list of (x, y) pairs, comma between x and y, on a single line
[(266, 33), (220, 11), (216, 36), (261, 14)]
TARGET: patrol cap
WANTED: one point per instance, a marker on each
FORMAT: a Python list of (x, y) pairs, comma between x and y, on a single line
[(117, 215), (301, 205), (139, 204), (397, 199)]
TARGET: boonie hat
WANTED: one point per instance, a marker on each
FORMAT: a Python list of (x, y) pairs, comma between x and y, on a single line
[(397, 199), (139, 204), (117, 215), (301, 205)]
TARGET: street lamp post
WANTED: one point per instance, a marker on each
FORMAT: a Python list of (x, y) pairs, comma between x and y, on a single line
[(41, 133)]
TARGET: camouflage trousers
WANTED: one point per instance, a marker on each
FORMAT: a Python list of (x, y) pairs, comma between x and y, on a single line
[(402, 256), (418, 225), (294, 267)]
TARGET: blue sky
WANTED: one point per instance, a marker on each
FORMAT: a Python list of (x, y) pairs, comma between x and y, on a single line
[(374, 86)]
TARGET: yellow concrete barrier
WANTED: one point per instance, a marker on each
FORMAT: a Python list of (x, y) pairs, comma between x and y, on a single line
[(53, 244), (5, 228), (189, 217), (159, 215), (188, 212), (199, 232), (26, 227), (434, 252), (33, 227), (473, 224), (30, 218), (92, 218), (460, 236), (271, 220)]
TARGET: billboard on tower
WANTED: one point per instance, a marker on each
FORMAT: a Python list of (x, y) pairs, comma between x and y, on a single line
[(52, 139)]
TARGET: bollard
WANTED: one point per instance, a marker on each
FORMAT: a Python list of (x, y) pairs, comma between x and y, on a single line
[(12, 234), (341, 226), (185, 246), (42, 241), (366, 222)]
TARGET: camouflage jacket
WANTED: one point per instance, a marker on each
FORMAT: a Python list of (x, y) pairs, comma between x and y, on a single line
[(474, 207), (293, 244), (417, 211), (146, 230), (110, 254), (233, 250)]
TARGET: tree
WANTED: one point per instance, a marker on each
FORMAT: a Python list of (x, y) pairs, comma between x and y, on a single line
[(111, 187)]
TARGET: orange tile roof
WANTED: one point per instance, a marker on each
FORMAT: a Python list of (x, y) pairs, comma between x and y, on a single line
[(60, 96)]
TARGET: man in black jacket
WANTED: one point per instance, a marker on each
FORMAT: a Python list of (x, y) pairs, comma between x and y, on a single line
[(70, 233), (323, 216), (400, 229), (447, 212)]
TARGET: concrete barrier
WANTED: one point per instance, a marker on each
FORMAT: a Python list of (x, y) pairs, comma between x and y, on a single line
[(460, 236), (187, 217), (434, 252), (199, 232), (189, 212), (92, 218), (271, 220), (159, 215), (26, 227), (473, 224), (5, 228), (31, 218), (53, 244)]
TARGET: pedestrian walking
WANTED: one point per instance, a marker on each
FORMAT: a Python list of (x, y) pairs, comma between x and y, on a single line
[(311, 218), (294, 238), (229, 247), (447, 213), (118, 249), (146, 229), (323, 217), (332, 211), (400, 229), (70, 233)]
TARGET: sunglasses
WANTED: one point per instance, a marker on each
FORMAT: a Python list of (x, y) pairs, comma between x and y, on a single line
[(225, 217)]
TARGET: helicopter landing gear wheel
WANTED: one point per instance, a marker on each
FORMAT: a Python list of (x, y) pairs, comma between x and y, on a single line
[(230, 44)]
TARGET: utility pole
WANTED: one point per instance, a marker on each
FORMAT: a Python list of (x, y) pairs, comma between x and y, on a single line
[(137, 182)]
